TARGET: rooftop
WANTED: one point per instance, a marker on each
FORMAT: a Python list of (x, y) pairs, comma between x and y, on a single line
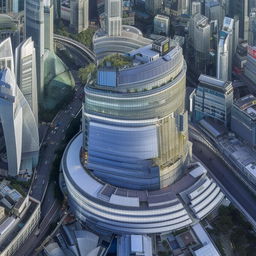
[(247, 104), (215, 83)]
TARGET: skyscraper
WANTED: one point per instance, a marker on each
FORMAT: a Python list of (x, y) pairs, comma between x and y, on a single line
[(252, 28), (48, 24), (241, 9), (25, 70), (79, 16), (153, 6), (113, 12), (200, 34), (18, 128), (225, 50), (195, 8), (34, 28)]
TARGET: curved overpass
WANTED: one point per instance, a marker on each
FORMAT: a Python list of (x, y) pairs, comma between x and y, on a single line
[(76, 44)]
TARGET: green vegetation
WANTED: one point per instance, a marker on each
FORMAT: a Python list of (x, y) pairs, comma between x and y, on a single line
[(84, 37), (114, 60), (21, 186), (231, 224), (117, 61), (86, 71)]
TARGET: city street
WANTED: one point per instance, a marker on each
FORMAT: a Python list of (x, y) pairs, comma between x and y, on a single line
[(50, 208), (226, 177)]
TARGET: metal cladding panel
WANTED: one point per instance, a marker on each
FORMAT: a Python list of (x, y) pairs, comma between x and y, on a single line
[(134, 142), (107, 78)]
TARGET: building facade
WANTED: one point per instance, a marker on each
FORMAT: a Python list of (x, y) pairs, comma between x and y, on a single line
[(79, 15), (48, 24), (252, 28), (200, 36), (241, 9), (213, 98), (18, 131), (153, 6), (34, 28), (225, 50), (162, 25), (25, 70), (243, 119), (113, 13)]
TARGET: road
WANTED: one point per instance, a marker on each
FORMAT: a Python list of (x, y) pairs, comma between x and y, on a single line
[(50, 209), (239, 193)]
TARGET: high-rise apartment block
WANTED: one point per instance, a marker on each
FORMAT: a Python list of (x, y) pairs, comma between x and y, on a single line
[(79, 15), (162, 25), (213, 99), (113, 11)]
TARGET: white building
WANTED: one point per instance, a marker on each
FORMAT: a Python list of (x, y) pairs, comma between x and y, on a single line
[(25, 70), (79, 15), (162, 25), (18, 127), (225, 50), (113, 13)]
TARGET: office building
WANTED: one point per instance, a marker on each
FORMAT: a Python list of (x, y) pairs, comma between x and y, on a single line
[(162, 25), (79, 15), (127, 171), (243, 119), (48, 24), (34, 28), (214, 11), (10, 27), (250, 66), (252, 28), (113, 13), (225, 50), (153, 6), (213, 99), (18, 130), (176, 8), (200, 36), (195, 8), (240, 8), (25, 70)]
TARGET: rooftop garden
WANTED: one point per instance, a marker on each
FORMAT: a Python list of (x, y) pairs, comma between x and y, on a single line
[(115, 61)]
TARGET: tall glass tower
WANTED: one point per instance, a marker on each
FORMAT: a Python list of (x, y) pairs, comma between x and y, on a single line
[(34, 27)]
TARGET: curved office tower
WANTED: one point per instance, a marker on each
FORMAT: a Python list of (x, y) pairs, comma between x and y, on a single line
[(127, 171), (135, 120), (19, 140)]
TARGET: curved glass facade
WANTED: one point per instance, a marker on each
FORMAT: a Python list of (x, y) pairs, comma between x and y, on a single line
[(136, 133)]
